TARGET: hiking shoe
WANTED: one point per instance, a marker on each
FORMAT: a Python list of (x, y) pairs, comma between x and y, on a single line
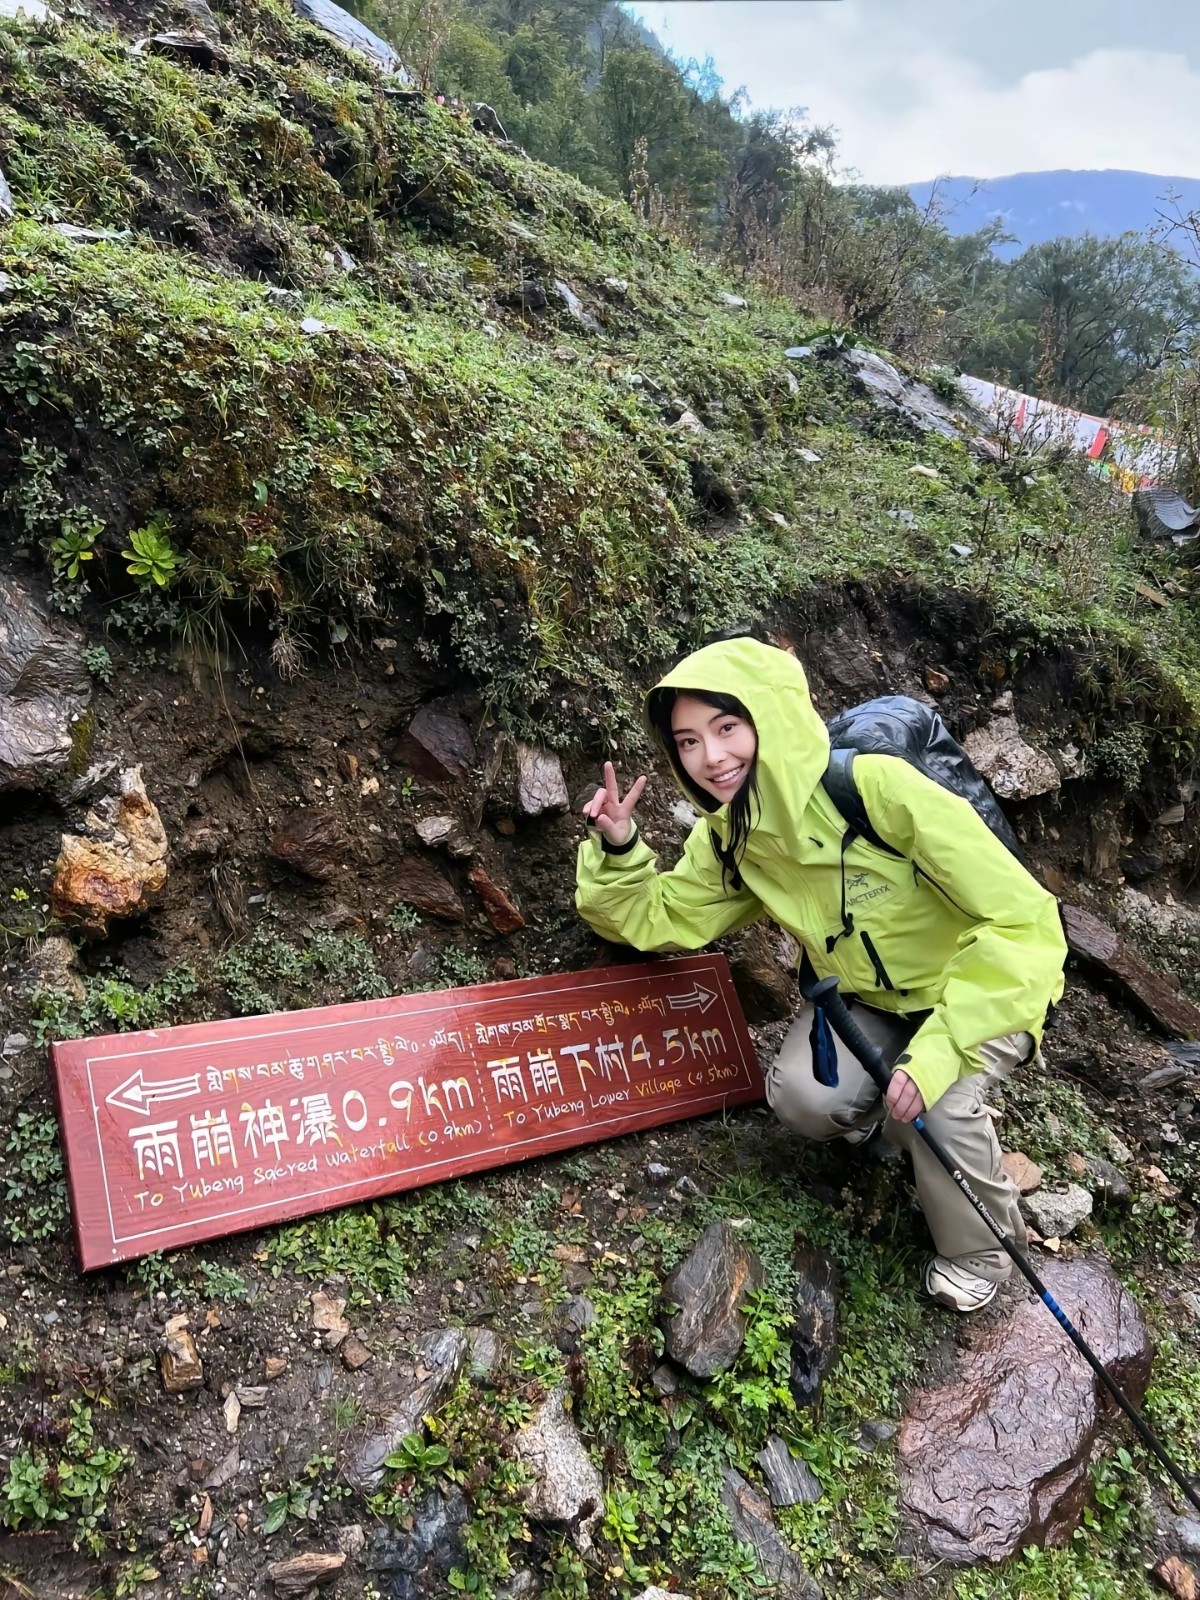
[(953, 1286)]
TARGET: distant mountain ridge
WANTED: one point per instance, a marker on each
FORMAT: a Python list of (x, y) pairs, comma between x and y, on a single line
[(1036, 206)]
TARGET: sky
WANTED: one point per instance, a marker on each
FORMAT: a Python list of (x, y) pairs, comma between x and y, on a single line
[(917, 89)]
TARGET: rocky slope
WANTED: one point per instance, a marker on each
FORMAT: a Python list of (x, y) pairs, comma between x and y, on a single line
[(357, 473)]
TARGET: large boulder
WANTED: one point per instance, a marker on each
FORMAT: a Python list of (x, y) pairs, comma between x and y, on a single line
[(44, 689), (996, 1458), (1014, 768), (118, 866), (708, 1328), (351, 33)]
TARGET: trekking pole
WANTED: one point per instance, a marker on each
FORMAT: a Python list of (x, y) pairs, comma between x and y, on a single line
[(825, 994)]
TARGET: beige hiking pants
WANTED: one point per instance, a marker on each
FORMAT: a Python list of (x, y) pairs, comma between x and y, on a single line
[(958, 1120)]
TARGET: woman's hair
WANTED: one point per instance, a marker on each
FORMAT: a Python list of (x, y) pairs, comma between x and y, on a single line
[(659, 708)]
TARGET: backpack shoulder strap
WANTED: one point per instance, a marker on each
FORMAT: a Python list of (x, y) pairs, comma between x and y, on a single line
[(842, 789)]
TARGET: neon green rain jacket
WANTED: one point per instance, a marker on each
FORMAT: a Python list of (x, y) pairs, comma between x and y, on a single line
[(954, 925)]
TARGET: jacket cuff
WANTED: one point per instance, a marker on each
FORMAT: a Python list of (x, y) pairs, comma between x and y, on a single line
[(611, 849)]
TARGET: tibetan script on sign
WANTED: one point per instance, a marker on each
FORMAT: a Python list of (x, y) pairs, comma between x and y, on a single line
[(183, 1134)]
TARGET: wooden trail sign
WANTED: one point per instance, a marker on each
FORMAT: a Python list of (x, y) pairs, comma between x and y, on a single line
[(183, 1134)]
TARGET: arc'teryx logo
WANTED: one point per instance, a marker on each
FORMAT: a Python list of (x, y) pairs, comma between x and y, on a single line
[(859, 881)]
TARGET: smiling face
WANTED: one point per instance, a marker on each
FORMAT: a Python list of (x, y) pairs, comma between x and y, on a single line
[(715, 747)]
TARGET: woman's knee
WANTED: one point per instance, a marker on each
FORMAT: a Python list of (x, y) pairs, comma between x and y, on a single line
[(801, 1103)]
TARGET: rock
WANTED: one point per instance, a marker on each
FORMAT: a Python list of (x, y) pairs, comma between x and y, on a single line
[(846, 662), (1178, 1578), (351, 33), (445, 833), (8, 205), (416, 1557), (997, 1458), (13, 1044), (1104, 951), (688, 422), (790, 1480), (1025, 1174), (420, 885), (1102, 858), (936, 681), (814, 1329), (872, 1434), (657, 1174), (913, 404), (521, 1586), (569, 1489), (572, 1319), (485, 120), (1185, 1532), (195, 49), (44, 690), (707, 1331), (733, 301), (1108, 1180), (233, 1411), (354, 1353), (486, 1352), (665, 1380), (409, 1390), (575, 307), (28, 11), (274, 1367), (809, 457), (313, 1569), (55, 967), (118, 866), (750, 1516), (502, 912), (351, 1540), (1163, 1078), (438, 745), (312, 843), (199, 14), (180, 1360), (327, 1316), (1057, 1213), (91, 235), (226, 1471), (252, 1396), (684, 815), (541, 786), (764, 988), (1015, 770)]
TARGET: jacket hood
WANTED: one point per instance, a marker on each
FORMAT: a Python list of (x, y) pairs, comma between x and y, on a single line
[(793, 744)]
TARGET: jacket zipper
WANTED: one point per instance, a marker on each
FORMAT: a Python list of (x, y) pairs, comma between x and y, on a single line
[(934, 884), (881, 976)]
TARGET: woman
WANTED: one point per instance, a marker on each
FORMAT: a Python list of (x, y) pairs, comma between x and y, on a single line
[(953, 953)]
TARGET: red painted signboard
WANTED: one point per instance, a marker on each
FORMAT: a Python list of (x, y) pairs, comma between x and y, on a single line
[(183, 1134)]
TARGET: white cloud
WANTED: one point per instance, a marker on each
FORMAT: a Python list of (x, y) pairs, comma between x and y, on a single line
[(905, 111)]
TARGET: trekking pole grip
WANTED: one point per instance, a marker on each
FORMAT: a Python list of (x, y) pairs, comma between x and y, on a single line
[(825, 995)]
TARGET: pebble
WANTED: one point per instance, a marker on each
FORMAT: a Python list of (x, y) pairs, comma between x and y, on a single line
[(14, 1044), (656, 1173)]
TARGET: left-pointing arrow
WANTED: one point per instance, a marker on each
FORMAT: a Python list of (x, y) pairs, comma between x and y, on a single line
[(139, 1096)]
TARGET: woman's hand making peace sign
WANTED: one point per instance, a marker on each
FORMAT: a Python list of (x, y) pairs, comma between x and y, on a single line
[(608, 812)]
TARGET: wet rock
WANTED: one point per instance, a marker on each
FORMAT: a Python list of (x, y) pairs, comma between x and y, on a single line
[(814, 1329), (1177, 1578), (750, 1516), (708, 1330), (180, 1360), (569, 1489), (541, 786), (407, 1391), (790, 1480), (1100, 948), (665, 1380), (44, 690), (502, 912), (117, 867), (299, 1574), (1056, 1213), (351, 33), (1107, 1180), (1015, 770), (420, 885), (1025, 1174), (312, 843), (764, 988), (1185, 1532), (438, 745), (8, 205), (445, 833), (997, 1458)]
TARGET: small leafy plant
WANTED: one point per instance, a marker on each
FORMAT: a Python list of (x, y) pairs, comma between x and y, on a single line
[(151, 557)]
